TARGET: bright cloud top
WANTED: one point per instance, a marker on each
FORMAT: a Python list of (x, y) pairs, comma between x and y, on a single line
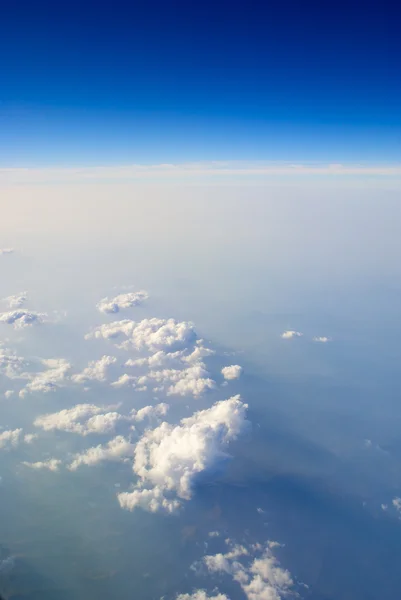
[(96, 370), (151, 334), (52, 464), (290, 333), (83, 419), (255, 569), (169, 457), (231, 372), (10, 439), (22, 318), (17, 300), (122, 301), (116, 449)]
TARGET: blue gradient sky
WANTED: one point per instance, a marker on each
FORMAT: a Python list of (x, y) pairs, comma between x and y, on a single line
[(152, 82)]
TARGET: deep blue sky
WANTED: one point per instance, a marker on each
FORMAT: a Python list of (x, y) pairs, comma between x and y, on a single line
[(119, 82)]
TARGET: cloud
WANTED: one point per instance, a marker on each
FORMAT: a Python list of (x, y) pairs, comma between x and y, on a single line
[(30, 437), (52, 464), (22, 318), (322, 339), (169, 457), (6, 251), (55, 376), (117, 449), (193, 380), (201, 595), (96, 370), (397, 504), (11, 365), (10, 438), (122, 301), (287, 335), (17, 301), (149, 412), (8, 394), (149, 334), (212, 169), (231, 372), (83, 419), (255, 569)]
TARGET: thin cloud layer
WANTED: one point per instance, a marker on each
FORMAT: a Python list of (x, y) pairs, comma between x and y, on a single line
[(169, 457), (122, 301), (52, 464), (6, 251)]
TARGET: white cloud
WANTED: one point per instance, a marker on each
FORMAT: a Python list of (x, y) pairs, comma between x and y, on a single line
[(149, 412), (11, 365), (22, 318), (321, 339), (83, 419), (96, 370), (10, 438), (52, 464), (214, 534), (30, 437), (231, 372), (124, 380), (397, 503), (193, 380), (122, 301), (55, 376), (201, 595), (17, 301), (256, 570), (8, 393), (169, 457), (117, 449), (6, 251), (150, 334), (290, 333)]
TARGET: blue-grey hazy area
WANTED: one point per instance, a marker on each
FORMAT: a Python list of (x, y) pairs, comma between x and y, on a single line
[(294, 487)]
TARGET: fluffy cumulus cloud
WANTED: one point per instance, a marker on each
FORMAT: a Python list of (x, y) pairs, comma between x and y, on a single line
[(290, 333), (321, 339), (193, 380), (6, 251), (231, 372), (255, 569), (150, 412), (11, 365), (10, 438), (53, 377), (17, 300), (52, 464), (149, 334), (22, 318), (169, 457), (96, 370), (84, 419), (397, 504), (122, 301), (116, 450)]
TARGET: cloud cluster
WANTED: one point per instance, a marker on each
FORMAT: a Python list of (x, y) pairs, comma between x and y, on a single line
[(122, 301), (96, 370), (255, 569), (116, 449), (17, 300), (11, 365), (54, 376), (10, 438), (231, 372), (193, 380), (290, 333), (22, 318), (149, 334), (169, 457), (84, 419), (201, 595)]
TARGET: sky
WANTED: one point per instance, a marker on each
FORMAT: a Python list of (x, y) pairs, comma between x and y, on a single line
[(150, 83), (200, 284)]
